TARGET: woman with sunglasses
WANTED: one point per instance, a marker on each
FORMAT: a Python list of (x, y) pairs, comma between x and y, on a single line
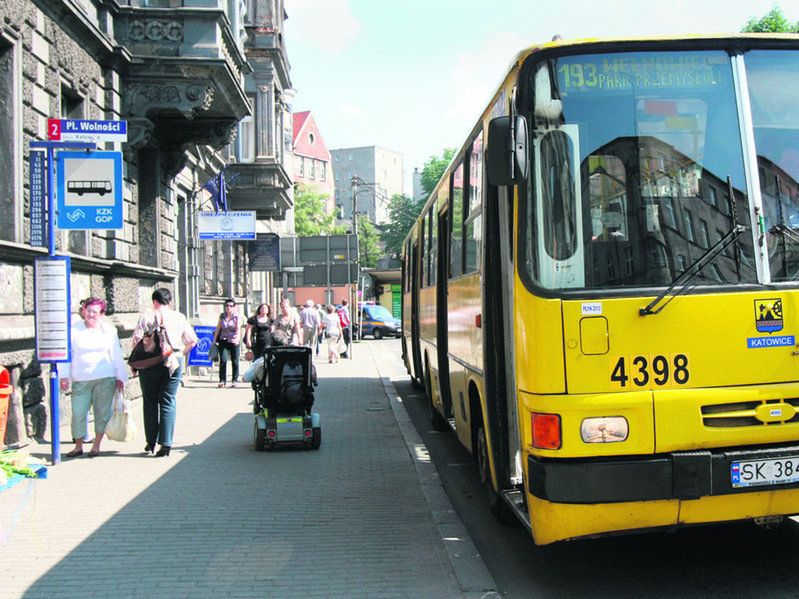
[(227, 337)]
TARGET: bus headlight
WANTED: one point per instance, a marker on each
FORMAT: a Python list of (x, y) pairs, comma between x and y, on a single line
[(606, 429)]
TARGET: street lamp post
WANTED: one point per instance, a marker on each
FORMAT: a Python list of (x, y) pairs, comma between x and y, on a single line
[(357, 185)]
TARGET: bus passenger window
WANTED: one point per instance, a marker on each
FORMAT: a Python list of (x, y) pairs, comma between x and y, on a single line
[(425, 250), (472, 240), (456, 215)]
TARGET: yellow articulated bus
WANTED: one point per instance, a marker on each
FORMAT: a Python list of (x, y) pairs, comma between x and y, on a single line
[(600, 295)]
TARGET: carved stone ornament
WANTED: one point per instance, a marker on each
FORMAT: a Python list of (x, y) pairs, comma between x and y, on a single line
[(155, 30), (144, 99), (140, 132)]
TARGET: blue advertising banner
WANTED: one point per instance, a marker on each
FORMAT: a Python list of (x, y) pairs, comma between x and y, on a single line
[(38, 209), (199, 353)]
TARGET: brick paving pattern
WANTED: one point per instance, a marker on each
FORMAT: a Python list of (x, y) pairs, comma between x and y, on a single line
[(217, 519)]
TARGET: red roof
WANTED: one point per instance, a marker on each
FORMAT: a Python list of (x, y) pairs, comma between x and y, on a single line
[(306, 138), (299, 121)]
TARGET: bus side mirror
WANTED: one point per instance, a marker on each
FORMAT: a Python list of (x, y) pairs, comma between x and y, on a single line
[(506, 151)]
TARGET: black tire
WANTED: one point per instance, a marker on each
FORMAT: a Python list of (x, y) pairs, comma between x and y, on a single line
[(316, 437), (501, 510), (260, 438), (437, 420), (377, 334)]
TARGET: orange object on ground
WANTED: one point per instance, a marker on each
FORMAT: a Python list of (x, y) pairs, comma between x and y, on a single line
[(5, 394)]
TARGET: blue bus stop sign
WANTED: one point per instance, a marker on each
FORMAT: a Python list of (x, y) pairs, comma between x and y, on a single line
[(89, 190)]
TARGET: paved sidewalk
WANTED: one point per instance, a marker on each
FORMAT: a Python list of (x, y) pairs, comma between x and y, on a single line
[(217, 519)]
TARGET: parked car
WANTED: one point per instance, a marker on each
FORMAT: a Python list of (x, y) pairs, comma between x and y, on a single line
[(379, 322)]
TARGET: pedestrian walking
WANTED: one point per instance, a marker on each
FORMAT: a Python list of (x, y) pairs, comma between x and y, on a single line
[(332, 333), (259, 330), (288, 321), (160, 383), (97, 372), (227, 337), (309, 318), (320, 310), (344, 321)]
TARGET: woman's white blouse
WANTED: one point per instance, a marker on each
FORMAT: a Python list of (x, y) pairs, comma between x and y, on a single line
[(96, 354)]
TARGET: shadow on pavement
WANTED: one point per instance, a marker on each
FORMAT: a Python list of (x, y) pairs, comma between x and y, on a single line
[(226, 521)]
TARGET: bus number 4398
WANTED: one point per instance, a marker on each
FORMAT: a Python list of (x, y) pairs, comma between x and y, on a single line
[(641, 371)]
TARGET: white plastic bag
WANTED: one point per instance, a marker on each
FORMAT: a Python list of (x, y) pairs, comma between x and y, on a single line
[(121, 426)]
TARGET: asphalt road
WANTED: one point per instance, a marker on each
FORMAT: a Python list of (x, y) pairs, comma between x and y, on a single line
[(733, 560)]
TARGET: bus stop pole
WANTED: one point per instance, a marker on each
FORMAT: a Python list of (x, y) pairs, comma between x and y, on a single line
[(55, 399)]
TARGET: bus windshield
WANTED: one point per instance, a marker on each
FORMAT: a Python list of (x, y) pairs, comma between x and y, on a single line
[(637, 171), (773, 78)]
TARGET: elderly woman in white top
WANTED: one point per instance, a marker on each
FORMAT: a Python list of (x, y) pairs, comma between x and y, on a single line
[(97, 372)]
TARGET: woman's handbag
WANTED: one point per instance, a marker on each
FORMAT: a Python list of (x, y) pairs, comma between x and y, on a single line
[(153, 349), (121, 426), (213, 353)]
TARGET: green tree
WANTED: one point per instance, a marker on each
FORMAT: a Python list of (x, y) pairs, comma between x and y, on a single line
[(368, 249), (402, 212), (310, 217), (434, 168), (772, 22)]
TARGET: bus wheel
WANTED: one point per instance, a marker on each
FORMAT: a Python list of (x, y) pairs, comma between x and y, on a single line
[(437, 420), (501, 510)]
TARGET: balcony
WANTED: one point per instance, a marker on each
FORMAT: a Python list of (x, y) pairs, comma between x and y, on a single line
[(183, 81), (261, 186)]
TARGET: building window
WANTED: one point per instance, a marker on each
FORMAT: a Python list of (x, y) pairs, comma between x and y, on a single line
[(682, 263), (611, 268), (311, 138), (687, 218), (247, 130), (8, 144), (704, 233), (300, 166), (323, 171), (714, 196), (628, 261), (311, 168), (247, 135), (669, 215)]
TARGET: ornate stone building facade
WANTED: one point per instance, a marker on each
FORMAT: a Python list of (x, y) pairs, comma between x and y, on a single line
[(177, 72)]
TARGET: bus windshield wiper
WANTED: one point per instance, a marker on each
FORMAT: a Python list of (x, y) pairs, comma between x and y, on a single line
[(786, 231), (693, 270)]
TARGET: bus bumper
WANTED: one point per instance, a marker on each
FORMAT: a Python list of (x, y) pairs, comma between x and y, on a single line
[(573, 499), (676, 475)]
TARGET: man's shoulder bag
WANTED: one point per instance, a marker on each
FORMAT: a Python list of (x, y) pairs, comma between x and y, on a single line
[(152, 349)]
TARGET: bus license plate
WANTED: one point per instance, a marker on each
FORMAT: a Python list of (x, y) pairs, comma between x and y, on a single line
[(756, 473)]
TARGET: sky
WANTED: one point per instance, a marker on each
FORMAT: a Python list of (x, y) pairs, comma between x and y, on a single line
[(413, 75)]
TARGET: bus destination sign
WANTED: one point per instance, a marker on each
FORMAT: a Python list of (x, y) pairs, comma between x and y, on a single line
[(620, 72)]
